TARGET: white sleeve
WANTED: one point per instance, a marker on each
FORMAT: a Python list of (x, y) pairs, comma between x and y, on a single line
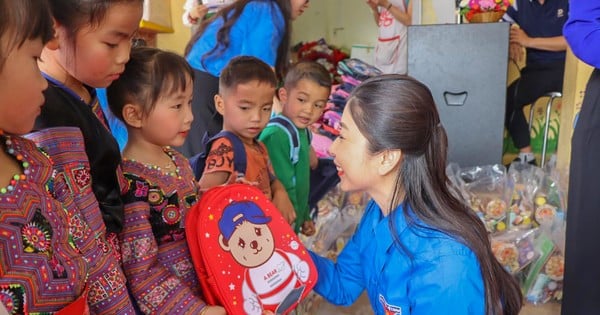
[(187, 7)]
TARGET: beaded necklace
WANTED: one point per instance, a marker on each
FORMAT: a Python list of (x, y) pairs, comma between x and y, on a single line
[(8, 144), (164, 169)]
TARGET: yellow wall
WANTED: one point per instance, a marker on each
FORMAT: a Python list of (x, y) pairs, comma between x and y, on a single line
[(577, 74), (177, 40)]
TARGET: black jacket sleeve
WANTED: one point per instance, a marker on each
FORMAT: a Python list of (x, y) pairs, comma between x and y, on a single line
[(63, 109)]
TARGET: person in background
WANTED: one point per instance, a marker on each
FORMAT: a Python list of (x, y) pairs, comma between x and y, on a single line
[(581, 288), (197, 10), (54, 255), (417, 249), (393, 18), (194, 11), (90, 48), (539, 31), (245, 99), (259, 28), (153, 98), (303, 97)]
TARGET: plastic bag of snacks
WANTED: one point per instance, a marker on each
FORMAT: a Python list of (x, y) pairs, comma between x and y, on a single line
[(489, 192), (544, 281), (526, 180), (457, 184), (336, 223), (515, 249), (549, 201)]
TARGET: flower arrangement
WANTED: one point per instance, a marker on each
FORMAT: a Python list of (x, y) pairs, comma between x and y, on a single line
[(471, 9)]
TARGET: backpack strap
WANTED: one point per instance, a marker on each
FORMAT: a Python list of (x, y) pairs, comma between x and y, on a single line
[(198, 161), (292, 133), (239, 151)]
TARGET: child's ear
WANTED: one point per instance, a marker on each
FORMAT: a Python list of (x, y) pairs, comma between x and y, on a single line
[(58, 32), (283, 96), (219, 104), (389, 160), (133, 115)]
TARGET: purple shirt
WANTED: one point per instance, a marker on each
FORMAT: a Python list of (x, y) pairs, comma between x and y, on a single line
[(582, 30)]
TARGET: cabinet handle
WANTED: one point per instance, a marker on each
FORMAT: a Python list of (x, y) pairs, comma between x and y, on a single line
[(455, 98)]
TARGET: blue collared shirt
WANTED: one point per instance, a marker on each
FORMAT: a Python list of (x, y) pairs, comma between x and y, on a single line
[(442, 277), (582, 30)]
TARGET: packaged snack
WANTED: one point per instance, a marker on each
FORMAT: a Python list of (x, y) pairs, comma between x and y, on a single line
[(488, 192), (544, 282), (525, 178), (515, 249)]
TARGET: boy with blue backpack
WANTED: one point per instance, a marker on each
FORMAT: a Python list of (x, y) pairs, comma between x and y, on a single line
[(245, 99), (287, 137)]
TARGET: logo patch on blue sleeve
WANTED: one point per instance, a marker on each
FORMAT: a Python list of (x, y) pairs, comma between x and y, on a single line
[(388, 308)]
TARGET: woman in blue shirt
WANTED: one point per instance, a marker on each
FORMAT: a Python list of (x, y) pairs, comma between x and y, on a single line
[(259, 28), (418, 249), (581, 287)]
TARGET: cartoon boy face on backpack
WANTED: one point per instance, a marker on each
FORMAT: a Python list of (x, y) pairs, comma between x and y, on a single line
[(245, 234), (273, 279)]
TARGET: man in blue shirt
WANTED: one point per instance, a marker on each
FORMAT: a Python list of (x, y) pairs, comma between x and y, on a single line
[(540, 32), (582, 276)]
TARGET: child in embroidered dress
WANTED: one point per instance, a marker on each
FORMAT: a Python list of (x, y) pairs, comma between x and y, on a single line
[(303, 98), (91, 44), (52, 253), (245, 99), (153, 99)]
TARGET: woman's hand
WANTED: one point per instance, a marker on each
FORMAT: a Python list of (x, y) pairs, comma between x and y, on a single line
[(515, 52), (373, 4), (518, 36), (198, 12), (213, 310), (378, 3), (308, 228)]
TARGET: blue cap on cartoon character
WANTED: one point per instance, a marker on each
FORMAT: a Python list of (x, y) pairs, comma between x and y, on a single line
[(238, 212)]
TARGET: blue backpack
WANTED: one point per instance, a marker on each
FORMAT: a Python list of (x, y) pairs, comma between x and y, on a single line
[(198, 161), (292, 133), (323, 178)]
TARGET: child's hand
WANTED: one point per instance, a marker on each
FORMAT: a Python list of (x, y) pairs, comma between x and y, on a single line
[(243, 180), (314, 160), (281, 200), (213, 310), (308, 228), (286, 208)]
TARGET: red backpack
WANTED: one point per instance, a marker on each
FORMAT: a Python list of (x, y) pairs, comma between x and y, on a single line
[(247, 257)]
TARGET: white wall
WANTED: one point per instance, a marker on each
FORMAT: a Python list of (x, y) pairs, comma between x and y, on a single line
[(344, 23), (341, 22)]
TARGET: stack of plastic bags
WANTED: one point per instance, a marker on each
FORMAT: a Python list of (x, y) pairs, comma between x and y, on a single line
[(339, 214), (524, 211)]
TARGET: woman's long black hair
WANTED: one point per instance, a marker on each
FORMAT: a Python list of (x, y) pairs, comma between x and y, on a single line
[(398, 112)]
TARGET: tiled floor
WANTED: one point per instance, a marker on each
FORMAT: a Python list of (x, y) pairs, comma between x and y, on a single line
[(543, 309), (362, 307)]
